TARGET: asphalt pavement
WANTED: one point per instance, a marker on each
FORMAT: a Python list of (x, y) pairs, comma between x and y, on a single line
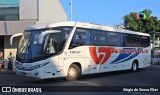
[(148, 77)]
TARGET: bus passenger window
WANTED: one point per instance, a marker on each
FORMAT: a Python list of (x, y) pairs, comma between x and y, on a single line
[(114, 39), (128, 40), (81, 37), (145, 41), (99, 38)]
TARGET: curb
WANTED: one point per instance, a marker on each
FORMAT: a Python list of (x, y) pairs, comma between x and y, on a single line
[(3, 71), (156, 64)]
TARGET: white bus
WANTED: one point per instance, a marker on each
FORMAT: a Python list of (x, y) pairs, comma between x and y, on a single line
[(71, 49)]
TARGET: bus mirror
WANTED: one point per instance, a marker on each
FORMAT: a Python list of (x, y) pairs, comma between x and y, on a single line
[(43, 34), (13, 36)]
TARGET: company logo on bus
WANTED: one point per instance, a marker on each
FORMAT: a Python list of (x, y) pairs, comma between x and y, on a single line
[(100, 54)]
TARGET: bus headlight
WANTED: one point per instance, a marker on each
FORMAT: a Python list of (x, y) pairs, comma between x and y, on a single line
[(39, 66)]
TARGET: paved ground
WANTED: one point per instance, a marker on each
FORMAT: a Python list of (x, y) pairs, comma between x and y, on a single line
[(145, 77)]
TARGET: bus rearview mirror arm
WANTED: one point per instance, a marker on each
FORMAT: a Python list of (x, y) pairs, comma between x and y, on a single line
[(13, 36)]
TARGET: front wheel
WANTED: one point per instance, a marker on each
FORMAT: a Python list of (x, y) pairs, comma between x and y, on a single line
[(73, 72), (134, 67)]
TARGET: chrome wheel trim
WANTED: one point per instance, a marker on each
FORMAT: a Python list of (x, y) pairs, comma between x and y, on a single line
[(134, 66), (72, 72)]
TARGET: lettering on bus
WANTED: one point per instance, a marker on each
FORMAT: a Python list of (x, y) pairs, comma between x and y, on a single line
[(75, 52), (128, 51), (100, 55)]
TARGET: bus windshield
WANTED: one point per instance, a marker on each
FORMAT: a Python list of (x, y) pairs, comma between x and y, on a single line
[(30, 50)]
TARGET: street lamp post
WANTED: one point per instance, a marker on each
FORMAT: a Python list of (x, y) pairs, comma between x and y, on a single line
[(70, 10)]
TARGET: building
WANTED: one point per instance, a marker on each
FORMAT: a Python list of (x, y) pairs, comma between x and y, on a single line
[(9, 13), (15, 18)]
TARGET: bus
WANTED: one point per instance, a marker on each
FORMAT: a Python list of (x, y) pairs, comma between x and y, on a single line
[(71, 49)]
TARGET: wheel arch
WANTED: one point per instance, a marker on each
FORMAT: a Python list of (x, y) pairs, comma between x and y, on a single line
[(78, 64), (74, 71), (133, 68), (136, 61)]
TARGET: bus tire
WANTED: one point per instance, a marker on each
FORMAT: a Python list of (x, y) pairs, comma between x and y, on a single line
[(73, 73), (134, 67)]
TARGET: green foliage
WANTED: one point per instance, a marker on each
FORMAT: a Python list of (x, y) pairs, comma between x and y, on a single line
[(148, 25)]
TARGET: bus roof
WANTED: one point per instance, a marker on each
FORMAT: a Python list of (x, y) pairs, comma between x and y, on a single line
[(83, 25)]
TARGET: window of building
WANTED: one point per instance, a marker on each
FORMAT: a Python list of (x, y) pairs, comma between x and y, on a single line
[(9, 10), (1, 18)]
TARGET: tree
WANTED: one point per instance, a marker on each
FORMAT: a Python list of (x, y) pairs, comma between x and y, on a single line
[(148, 25)]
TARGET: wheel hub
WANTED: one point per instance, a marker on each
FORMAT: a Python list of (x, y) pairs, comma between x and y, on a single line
[(72, 72), (134, 67)]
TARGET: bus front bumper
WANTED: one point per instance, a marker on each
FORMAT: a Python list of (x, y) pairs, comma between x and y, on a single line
[(34, 73)]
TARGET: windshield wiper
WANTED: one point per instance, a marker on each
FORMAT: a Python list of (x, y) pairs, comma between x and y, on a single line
[(27, 47), (20, 55), (30, 53)]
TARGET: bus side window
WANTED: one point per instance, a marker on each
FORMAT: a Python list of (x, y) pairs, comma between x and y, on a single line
[(114, 39), (99, 38), (81, 37), (136, 41), (74, 43), (145, 41), (128, 40)]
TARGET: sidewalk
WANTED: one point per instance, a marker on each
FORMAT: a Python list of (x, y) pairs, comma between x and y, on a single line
[(6, 71), (157, 63)]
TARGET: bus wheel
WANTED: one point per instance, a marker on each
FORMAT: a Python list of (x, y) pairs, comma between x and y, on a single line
[(134, 66), (73, 72)]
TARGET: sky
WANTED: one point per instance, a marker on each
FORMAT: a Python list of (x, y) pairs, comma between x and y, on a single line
[(108, 12)]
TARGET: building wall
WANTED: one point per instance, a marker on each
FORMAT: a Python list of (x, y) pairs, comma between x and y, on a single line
[(43, 11), (13, 27), (51, 11), (28, 9), (29, 12), (7, 52), (2, 44), (7, 48), (8, 28)]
